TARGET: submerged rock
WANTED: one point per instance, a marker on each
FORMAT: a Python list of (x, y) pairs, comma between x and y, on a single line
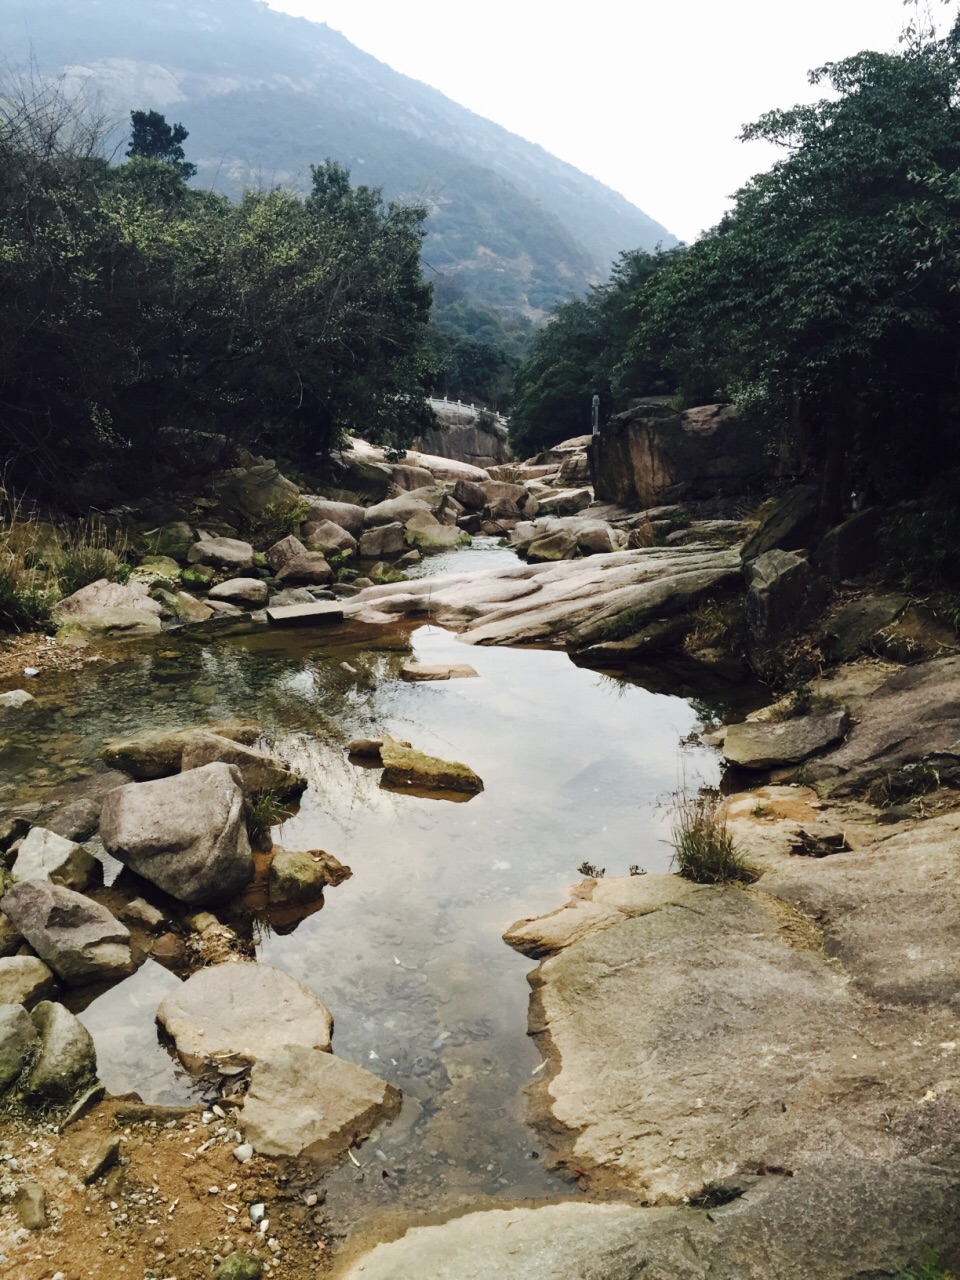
[(301, 1102), (44, 855), (67, 1062), (241, 1012), (418, 671), (296, 879), (186, 834), (78, 938), (157, 755), (405, 767), (754, 745)]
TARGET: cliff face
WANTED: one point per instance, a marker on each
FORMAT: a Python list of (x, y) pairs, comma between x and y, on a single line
[(652, 455), (467, 442)]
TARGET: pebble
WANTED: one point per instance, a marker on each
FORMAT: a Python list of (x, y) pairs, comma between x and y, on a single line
[(257, 1213), (243, 1153)]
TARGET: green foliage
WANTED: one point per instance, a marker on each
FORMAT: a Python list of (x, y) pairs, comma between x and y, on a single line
[(277, 521), (265, 810), (576, 356), (931, 1269), (91, 551), (921, 540), (703, 849), (154, 139), (145, 323)]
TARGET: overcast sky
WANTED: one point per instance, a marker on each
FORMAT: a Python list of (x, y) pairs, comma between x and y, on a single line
[(646, 95)]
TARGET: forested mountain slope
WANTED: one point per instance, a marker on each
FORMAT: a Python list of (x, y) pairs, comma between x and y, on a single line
[(265, 95)]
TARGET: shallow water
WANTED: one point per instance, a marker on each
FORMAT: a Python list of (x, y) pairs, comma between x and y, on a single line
[(408, 953), (482, 553)]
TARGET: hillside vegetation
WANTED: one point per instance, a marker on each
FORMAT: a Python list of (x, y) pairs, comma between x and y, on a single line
[(265, 95)]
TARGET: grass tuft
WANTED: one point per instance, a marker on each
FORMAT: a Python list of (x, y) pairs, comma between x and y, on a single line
[(703, 849)]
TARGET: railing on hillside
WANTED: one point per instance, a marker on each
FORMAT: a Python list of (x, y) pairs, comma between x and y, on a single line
[(464, 409)]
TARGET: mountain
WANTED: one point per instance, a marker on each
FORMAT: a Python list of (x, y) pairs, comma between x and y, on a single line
[(264, 95)]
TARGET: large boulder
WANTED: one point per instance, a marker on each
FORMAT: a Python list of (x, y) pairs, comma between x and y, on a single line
[(757, 745), (558, 545), (362, 475), (78, 938), (44, 855), (186, 834), (157, 755), (394, 510), (250, 491), (596, 537), (653, 455), (407, 477), (108, 608), (327, 538), (405, 767), (222, 553), (783, 597), (282, 552), (19, 1043), (425, 533), (564, 502), (348, 515), (67, 1061), (787, 526), (383, 540), (248, 593), (239, 1012), (259, 770), (301, 1102), (25, 979), (173, 540), (310, 569)]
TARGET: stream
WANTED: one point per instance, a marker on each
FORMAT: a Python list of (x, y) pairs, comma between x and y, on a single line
[(578, 767)]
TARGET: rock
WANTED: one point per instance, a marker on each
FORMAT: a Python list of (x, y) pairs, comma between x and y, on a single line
[(383, 540), (425, 533), (405, 767), (25, 980), (783, 597), (408, 478), (222, 553), (173, 540), (367, 748), (765, 746), (44, 855), (292, 595), (561, 545), (30, 1204), (369, 479), (418, 671), (157, 755), (395, 511), (301, 1102), (327, 538), (189, 609), (108, 608), (470, 494), (260, 770), (300, 878), (282, 552), (787, 526), (596, 537), (10, 939), (16, 700), (77, 820), (856, 625), (479, 442), (913, 716), (104, 1159), (14, 826), (446, 470), (242, 1012), (198, 576), (840, 1220), (310, 568), (67, 1064), (249, 492), (18, 1043), (160, 568), (852, 548), (409, 559), (251, 593), (186, 834), (304, 615), (243, 1153), (239, 1266), (564, 502), (77, 937), (347, 515), (140, 912)]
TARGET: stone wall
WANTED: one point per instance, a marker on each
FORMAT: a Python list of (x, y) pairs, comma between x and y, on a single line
[(652, 455)]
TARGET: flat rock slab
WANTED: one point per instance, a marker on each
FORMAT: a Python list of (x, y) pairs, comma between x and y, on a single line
[(416, 671), (77, 937), (305, 615), (302, 1102), (241, 1012), (709, 1036), (405, 768), (841, 1220), (759, 745)]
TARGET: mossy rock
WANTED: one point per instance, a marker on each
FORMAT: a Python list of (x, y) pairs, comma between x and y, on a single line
[(405, 767), (297, 879)]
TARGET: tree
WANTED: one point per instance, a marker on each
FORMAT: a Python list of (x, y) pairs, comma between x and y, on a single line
[(153, 139)]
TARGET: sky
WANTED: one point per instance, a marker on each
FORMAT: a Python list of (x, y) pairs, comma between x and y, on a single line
[(646, 95)]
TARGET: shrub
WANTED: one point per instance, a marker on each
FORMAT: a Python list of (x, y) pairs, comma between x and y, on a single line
[(703, 849), (277, 521), (26, 593), (91, 551), (265, 810)]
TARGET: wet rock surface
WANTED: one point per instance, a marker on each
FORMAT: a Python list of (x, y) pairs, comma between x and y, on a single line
[(185, 834)]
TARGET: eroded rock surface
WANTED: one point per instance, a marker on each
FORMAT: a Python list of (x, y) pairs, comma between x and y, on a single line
[(78, 938), (755, 745)]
